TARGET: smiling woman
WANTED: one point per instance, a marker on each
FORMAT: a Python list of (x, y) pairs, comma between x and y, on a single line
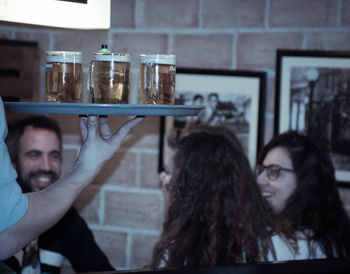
[(76, 14), (277, 183), (304, 195)]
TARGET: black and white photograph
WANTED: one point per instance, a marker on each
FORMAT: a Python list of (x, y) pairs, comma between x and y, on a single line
[(231, 98), (314, 98)]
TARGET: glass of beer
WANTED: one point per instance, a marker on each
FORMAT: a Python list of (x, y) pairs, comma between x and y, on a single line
[(157, 79), (64, 72), (108, 80)]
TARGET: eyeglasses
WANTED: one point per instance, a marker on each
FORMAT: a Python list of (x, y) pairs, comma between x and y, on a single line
[(272, 171)]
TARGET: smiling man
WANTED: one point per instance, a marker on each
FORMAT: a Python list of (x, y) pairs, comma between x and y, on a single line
[(35, 147), (39, 158)]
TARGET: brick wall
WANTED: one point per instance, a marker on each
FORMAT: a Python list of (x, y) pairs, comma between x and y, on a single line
[(124, 206)]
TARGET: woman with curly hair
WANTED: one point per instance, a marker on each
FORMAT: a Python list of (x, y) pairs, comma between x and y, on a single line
[(296, 176), (217, 215)]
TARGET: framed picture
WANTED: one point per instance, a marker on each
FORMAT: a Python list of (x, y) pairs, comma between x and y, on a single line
[(75, 14), (313, 96), (232, 98)]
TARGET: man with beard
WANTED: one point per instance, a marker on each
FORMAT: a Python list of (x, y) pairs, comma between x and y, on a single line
[(35, 148)]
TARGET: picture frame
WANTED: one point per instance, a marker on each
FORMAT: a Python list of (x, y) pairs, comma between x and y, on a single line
[(239, 97), (313, 96), (74, 14)]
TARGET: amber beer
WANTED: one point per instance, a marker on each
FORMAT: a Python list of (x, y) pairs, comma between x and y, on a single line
[(109, 78), (63, 76), (157, 79)]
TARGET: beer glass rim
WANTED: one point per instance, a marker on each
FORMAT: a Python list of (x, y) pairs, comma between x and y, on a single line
[(110, 56), (62, 52), (166, 59), (63, 56)]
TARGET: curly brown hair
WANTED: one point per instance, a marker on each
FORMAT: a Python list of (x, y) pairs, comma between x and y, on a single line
[(217, 215)]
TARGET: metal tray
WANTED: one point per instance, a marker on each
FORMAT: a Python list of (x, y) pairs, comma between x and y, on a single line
[(102, 109)]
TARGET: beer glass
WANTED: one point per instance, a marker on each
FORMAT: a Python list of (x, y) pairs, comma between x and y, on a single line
[(108, 80), (157, 79), (63, 76)]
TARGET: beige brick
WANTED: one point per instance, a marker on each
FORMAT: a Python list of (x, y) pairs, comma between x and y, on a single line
[(329, 41), (145, 135), (169, 13), (69, 124), (133, 210), (71, 139), (41, 95), (135, 44), (233, 13), (134, 83), (149, 171), (122, 13), (6, 33), (346, 13), (204, 51), (88, 204), (85, 96), (69, 156), (258, 50), (119, 170), (301, 13), (24, 34), (148, 141), (113, 245), (142, 247), (116, 121)]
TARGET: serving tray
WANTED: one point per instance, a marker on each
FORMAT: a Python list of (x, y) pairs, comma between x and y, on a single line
[(102, 109)]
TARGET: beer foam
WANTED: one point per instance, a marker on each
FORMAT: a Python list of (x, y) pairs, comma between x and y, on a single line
[(161, 59), (116, 57), (63, 56)]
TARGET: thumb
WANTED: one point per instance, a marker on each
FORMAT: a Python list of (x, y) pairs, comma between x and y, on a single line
[(126, 128)]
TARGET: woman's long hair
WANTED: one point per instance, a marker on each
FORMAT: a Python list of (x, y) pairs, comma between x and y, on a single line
[(217, 215), (315, 205)]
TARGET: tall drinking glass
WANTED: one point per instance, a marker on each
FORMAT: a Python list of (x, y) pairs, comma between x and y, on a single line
[(63, 76), (109, 78), (157, 79)]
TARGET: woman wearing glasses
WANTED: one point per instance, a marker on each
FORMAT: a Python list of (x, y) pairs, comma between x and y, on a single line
[(296, 177)]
